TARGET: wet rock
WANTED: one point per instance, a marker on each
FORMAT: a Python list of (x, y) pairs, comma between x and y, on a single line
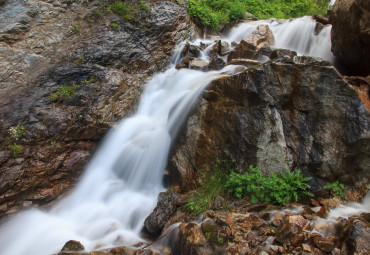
[(290, 234), (220, 48), (278, 53), (191, 51), (323, 212), (198, 64), (244, 62), (362, 87), (191, 241), (216, 63), (325, 244), (278, 115), (73, 245), (300, 221), (211, 231), (166, 207), (184, 62), (251, 44), (350, 34), (359, 237)]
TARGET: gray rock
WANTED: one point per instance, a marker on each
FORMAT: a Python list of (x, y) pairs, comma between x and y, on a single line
[(166, 207), (292, 113), (198, 64)]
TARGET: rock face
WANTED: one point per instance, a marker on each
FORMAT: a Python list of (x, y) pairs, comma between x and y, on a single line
[(166, 207), (350, 34), (294, 112), (47, 49)]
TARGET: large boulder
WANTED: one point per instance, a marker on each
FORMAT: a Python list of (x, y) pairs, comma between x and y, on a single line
[(250, 45), (350, 34), (166, 207), (286, 114)]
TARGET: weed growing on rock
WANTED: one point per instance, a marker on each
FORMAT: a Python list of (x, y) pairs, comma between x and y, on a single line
[(144, 6), (282, 189), (337, 189), (64, 91), (76, 29), (114, 26), (16, 149), (16, 132), (53, 143), (98, 14), (213, 185)]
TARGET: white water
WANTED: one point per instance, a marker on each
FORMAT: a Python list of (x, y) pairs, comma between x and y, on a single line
[(120, 186), (296, 34)]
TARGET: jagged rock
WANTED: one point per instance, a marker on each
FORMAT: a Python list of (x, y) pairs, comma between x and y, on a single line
[(191, 241), (359, 237), (350, 34), (325, 244), (198, 64), (250, 45), (73, 245), (300, 221), (220, 48), (166, 207), (216, 63), (244, 62), (362, 87), (191, 51), (184, 62), (278, 53), (280, 115), (291, 234), (210, 230)]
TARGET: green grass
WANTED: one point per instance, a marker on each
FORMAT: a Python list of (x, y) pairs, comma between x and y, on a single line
[(211, 13), (64, 91), (213, 185), (144, 6)]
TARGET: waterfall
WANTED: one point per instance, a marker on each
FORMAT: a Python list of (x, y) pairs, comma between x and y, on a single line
[(120, 185)]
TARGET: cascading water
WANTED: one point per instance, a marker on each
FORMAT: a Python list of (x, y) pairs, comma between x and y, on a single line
[(120, 186)]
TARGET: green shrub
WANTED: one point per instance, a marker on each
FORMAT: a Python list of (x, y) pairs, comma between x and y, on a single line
[(53, 143), (214, 13), (16, 132), (337, 189), (144, 6), (119, 8), (16, 149), (212, 186), (290, 186)]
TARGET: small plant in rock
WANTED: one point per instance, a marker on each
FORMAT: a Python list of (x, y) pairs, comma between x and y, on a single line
[(53, 143), (16, 149), (337, 189), (144, 6), (16, 132), (114, 26), (90, 80), (63, 91), (220, 240), (76, 29), (213, 185), (98, 14), (207, 235)]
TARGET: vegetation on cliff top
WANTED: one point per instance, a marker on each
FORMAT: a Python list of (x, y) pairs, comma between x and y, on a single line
[(210, 13)]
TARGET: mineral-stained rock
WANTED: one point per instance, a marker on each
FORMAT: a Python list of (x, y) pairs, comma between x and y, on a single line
[(350, 34), (191, 241), (325, 244), (251, 44), (294, 113), (288, 233), (166, 207)]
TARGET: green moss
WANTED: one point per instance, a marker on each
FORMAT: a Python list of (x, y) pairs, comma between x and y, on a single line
[(144, 6), (114, 26), (16, 149)]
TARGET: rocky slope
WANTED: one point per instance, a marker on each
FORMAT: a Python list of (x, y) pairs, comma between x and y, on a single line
[(67, 77)]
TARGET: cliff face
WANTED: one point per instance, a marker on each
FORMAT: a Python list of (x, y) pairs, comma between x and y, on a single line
[(292, 112), (68, 76), (351, 34)]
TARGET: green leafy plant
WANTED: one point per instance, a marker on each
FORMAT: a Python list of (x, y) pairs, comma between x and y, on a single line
[(76, 29), (290, 186), (98, 14), (53, 143), (208, 235), (63, 91), (337, 189), (213, 185), (144, 6), (220, 240), (90, 80), (16, 149), (16, 132), (114, 26)]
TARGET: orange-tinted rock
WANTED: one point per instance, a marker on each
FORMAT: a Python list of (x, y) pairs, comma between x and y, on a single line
[(325, 244), (291, 234)]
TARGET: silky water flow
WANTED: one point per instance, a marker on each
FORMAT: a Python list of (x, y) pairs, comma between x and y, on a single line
[(120, 185)]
